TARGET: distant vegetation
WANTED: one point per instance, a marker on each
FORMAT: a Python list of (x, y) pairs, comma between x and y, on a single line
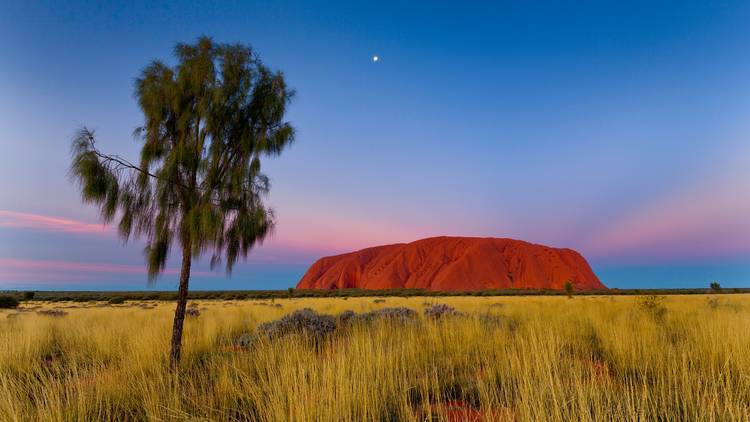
[(84, 296), (596, 358), (8, 302)]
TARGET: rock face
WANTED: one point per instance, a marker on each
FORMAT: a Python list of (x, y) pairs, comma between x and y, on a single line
[(453, 264)]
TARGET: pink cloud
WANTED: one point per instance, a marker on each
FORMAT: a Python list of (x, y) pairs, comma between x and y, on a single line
[(27, 221), (13, 269), (709, 221)]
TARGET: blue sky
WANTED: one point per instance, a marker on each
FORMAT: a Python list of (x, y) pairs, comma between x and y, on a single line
[(619, 129)]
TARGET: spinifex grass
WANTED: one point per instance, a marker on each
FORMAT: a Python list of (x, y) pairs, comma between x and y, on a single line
[(532, 358)]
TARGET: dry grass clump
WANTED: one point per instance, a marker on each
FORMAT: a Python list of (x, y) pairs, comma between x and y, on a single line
[(533, 358)]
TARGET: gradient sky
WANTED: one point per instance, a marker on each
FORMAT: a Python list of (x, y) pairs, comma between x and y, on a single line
[(620, 129)]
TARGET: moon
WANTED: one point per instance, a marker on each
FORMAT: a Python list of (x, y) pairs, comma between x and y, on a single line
[(375, 58)]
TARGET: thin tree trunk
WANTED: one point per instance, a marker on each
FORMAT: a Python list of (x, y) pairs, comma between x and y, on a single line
[(179, 313)]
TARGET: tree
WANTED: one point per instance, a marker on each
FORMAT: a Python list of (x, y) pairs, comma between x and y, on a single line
[(208, 121), (569, 288), (715, 286)]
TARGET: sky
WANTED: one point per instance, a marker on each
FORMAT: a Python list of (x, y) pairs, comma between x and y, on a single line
[(619, 129)]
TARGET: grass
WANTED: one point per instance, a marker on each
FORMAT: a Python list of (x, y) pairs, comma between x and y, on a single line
[(538, 358)]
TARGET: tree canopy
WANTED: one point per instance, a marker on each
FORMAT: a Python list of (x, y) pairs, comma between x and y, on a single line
[(208, 121)]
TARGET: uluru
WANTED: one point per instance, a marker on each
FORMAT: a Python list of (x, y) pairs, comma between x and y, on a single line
[(453, 264)]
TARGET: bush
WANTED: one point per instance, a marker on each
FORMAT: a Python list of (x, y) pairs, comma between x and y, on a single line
[(116, 301), (398, 314), (346, 317), (569, 288), (654, 306), (52, 312), (441, 311), (491, 319), (8, 302), (192, 312), (28, 295), (715, 286), (244, 341), (304, 321)]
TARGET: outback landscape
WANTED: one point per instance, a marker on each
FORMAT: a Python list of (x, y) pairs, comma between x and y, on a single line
[(363, 358), (380, 211)]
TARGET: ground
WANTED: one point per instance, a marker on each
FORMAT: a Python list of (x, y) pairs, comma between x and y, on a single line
[(505, 358)]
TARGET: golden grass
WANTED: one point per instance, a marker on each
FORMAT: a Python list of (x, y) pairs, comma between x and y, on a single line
[(547, 358)]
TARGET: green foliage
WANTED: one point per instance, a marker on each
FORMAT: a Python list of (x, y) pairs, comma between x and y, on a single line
[(569, 288), (8, 302), (290, 291), (116, 301), (28, 295), (715, 286), (208, 121)]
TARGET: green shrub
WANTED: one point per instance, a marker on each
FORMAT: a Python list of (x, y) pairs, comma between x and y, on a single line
[(8, 302), (569, 288), (28, 295), (116, 301)]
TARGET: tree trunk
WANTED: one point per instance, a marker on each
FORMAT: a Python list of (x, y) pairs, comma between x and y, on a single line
[(179, 313)]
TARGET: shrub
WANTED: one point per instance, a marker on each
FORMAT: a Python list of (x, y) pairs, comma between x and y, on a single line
[(654, 306), (346, 317), (116, 300), (52, 312), (398, 314), (491, 319), (28, 295), (715, 286), (192, 312), (569, 288), (304, 321), (378, 301), (441, 311), (8, 302), (244, 341)]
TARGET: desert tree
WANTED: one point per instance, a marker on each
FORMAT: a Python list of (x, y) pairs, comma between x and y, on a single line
[(208, 121), (569, 289)]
